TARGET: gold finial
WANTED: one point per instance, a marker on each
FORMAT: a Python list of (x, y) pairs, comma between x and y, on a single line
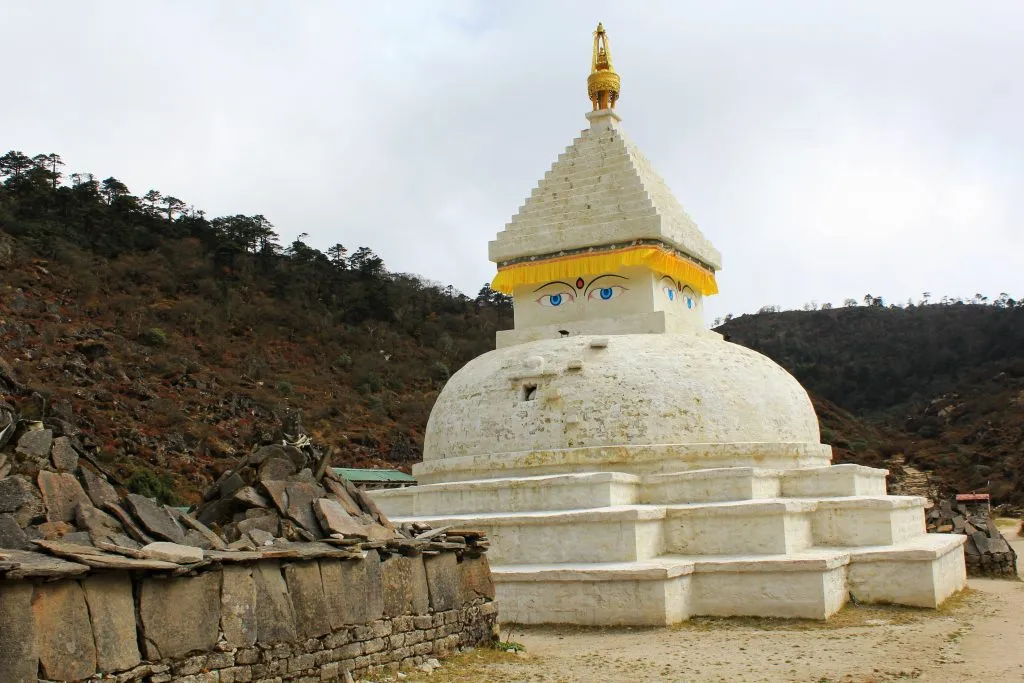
[(603, 82)]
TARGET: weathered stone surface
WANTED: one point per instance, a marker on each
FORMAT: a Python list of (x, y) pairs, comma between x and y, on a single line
[(35, 443), (67, 651), (155, 518), (197, 540), (295, 499), (54, 530), (61, 495), (475, 579), (275, 616), (335, 520), (404, 581), (307, 593), (36, 565), (353, 589), (99, 524), (276, 469), (63, 455), (179, 616), (443, 581), (19, 497), (112, 612), (270, 523), (247, 496), (99, 489), (173, 552), (11, 535), (238, 606), (195, 525), (19, 658), (260, 537), (130, 526), (231, 483)]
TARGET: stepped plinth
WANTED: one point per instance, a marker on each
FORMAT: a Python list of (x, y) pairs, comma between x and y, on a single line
[(630, 466)]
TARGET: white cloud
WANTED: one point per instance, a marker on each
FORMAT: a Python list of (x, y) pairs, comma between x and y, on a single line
[(828, 149)]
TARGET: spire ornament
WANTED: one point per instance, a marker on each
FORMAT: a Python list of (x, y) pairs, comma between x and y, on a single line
[(603, 82)]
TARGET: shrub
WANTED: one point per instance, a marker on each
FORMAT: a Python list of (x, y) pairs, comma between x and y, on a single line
[(154, 336)]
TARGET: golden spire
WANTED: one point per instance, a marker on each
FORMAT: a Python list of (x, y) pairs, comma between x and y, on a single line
[(603, 82)]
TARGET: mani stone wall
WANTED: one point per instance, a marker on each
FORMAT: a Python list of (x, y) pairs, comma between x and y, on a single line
[(262, 621)]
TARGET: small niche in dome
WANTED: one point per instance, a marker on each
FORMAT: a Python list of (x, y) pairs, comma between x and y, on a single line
[(528, 393)]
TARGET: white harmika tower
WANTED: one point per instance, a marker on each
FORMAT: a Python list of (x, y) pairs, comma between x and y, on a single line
[(630, 466)]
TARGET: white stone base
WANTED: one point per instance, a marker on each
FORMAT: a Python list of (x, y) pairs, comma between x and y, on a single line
[(656, 547)]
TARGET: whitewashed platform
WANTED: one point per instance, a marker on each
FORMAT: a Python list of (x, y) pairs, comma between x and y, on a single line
[(655, 548)]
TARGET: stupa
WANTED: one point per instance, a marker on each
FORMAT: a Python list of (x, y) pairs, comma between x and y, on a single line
[(629, 465)]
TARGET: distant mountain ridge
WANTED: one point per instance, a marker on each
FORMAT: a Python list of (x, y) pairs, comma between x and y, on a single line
[(168, 338)]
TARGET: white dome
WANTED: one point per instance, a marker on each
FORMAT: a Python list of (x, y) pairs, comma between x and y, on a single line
[(622, 390)]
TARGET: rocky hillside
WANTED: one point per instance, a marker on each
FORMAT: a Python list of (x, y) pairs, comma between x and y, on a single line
[(166, 339)]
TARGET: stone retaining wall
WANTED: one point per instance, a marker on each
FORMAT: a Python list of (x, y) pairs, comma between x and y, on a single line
[(270, 620)]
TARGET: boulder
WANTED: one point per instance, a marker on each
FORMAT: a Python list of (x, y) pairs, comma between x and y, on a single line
[(35, 444), (67, 648), (61, 495), (63, 455), (112, 613), (155, 518)]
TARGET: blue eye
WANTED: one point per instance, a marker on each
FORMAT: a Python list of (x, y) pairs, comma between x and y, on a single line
[(554, 300), (606, 293), (670, 293)]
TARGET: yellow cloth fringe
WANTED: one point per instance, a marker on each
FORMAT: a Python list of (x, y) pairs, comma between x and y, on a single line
[(571, 267)]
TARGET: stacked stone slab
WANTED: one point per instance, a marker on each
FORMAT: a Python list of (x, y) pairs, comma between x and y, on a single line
[(986, 550), (252, 619)]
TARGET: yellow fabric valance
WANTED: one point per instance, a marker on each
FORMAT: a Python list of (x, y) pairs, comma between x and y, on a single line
[(572, 266)]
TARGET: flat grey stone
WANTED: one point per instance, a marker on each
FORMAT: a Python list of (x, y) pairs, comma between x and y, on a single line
[(155, 518), (260, 537), (99, 490), (295, 501), (238, 606), (63, 455), (197, 540), (19, 496), (133, 529), (353, 590), (99, 524), (179, 616), (61, 495), (67, 649), (247, 496), (31, 565), (275, 616), (404, 582), (276, 469), (112, 612), (11, 534), (269, 523), (307, 593), (475, 579), (172, 552), (335, 520), (443, 581), (195, 525), (229, 484), (19, 656), (35, 443)]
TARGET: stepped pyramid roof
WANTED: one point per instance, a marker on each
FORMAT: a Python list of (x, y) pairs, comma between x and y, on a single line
[(602, 195)]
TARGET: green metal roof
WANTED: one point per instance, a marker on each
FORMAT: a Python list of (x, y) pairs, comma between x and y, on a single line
[(357, 475)]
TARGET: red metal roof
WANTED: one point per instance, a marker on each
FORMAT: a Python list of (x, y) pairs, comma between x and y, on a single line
[(967, 497)]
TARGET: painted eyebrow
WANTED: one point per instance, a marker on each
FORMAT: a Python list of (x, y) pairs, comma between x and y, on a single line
[(555, 282), (670, 280), (585, 291)]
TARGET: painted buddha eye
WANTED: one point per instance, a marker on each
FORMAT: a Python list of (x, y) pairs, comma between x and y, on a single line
[(670, 292), (689, 302), (555, 300), (606, 293), (689, 298)]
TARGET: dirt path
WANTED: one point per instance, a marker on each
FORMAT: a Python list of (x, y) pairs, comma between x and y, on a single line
[(975, 636)]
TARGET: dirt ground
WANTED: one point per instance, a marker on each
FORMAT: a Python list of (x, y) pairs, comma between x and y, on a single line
[(974, 636)]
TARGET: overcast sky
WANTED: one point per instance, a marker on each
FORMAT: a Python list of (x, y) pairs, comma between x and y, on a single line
[(828, 149)]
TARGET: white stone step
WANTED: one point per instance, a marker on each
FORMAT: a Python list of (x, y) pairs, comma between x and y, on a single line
[(758, 526), (711, 485), (867, 520), (810, 584), (523, 494), (833, 480), (623, 533), (600, 489)]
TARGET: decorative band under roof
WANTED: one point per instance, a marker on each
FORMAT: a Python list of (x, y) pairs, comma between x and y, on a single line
[(605, 247)]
